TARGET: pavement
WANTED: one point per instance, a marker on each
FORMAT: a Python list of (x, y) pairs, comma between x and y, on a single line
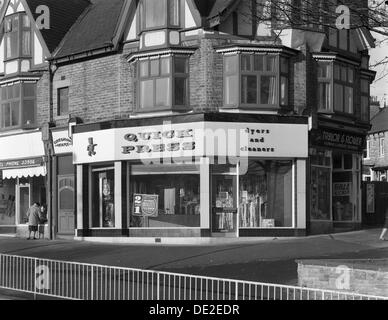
[(265, 259)]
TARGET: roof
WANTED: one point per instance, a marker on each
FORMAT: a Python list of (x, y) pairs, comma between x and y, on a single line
[(380, 121), (94, 29), (212, 8), (63, 14)]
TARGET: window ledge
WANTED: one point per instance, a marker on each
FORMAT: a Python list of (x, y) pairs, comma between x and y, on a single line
[(60, 118)]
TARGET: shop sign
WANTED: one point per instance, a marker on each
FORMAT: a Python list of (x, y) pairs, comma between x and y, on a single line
[(189, 140), (62, 142), (342, 189), (23, 163), (338, 139), (145, 205), (370, 198)]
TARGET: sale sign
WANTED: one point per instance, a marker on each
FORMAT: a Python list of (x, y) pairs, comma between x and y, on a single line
[(145, 205)]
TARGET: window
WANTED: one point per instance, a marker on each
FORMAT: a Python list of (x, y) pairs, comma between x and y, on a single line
[(17, 31), (365, 99), (17, 106), (159, 14), (63, 101), (163, 83), (263, 80), (381, 147), (178, 191), (266, 195), (367, 150), (336, 83)]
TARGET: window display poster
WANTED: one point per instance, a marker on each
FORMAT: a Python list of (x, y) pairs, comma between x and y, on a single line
[(342, 189), (370, 198), (7, 204), (145, 205)]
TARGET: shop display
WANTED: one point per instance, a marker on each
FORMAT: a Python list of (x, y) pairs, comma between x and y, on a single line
[(7, 204), (107, 203)]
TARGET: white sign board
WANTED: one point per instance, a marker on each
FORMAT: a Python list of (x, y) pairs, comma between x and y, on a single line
[(62, 142), (192, 140)]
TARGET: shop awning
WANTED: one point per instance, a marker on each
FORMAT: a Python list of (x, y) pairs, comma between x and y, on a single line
[(24, 172)]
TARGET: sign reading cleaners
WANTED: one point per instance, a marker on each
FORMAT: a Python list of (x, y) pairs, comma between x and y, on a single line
[(145, 205)]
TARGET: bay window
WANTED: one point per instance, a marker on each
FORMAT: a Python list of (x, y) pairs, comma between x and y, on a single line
[(159, 14), (336, 87), (17, 34), (252, 80), (365, 99), (163, 83), (17, 108)]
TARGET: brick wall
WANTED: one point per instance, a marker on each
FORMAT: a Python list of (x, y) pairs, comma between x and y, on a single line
[(328, 276)]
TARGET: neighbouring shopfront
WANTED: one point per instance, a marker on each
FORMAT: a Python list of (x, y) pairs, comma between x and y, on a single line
[(192, 176), (22, 179), (63, 183), (335, 179)]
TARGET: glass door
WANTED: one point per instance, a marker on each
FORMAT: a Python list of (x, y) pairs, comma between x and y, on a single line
[(224, 201), (24, 201)]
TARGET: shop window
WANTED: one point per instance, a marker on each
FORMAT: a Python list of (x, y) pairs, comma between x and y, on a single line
[(177, 189), (63, 101), (17, 108), (265, 198), (163, 83), (256, 80), (7, 203), (103, 214), (320, 193), (17, 34), (159, 14)]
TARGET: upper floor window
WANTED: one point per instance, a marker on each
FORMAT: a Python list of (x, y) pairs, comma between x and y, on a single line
[(337, 88), (252, 80), (17, 35), (159, 14), (365, 99), (17, 108), (163, 83), (63, 101), (381, 147), (367, 150)]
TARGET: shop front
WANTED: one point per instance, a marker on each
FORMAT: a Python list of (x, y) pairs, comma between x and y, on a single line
[(192, 176), (335, 180), (22, 180)]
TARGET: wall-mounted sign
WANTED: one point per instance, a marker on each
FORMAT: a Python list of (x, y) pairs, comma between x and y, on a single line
[(370, 198), (62, 142), (22, 163), (145, 205), (196, 139), (338, 139), (342, 189)]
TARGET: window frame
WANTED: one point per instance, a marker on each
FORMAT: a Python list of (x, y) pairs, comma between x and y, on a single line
[(22, 98), (381, 147), (168, 19), (59, 100), (238, 73), (365, 95), (21, 29), (172, 76)]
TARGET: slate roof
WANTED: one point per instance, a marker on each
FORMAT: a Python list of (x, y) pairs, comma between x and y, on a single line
[(63, 14), (94, 29), (211, 8), (380, 121)]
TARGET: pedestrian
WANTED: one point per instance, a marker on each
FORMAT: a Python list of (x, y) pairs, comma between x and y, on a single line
[(385, 228), (33, 215)]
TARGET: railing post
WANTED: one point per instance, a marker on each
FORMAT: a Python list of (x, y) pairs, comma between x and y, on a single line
[(157, 286), (34, 278), (92, 284), (236, 290)]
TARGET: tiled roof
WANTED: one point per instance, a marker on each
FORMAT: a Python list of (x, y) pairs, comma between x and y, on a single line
[(63, 14), (94, 29), (380, 121), (211, 8)]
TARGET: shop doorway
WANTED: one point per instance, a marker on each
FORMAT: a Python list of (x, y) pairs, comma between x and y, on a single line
[(66, 205), (24, 201), (224, 201)]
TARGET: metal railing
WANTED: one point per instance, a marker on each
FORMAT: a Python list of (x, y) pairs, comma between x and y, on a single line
[(81, 281)]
